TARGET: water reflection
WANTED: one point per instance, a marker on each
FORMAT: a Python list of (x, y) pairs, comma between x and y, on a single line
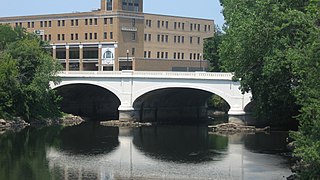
[(90, 151), (89, 138), (180, 144)]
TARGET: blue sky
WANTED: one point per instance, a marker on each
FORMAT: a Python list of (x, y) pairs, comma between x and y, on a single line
[(208, 9)]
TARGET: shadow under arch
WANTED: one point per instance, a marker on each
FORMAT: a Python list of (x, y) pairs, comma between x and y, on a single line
[(90, 101), (182, 144), (174, 105), (89, 139)]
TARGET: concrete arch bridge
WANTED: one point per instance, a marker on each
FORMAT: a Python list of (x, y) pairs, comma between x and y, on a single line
[(147, 96)]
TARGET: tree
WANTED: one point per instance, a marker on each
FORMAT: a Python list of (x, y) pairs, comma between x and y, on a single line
[(260, 39), (211, 50), (32, 70)]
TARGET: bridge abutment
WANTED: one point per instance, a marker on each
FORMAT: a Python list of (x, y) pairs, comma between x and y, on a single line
[(126, 113)]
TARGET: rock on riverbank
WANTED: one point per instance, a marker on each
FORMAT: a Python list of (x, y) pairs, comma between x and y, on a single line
[(16, 124), (236, 128), (117, 123)]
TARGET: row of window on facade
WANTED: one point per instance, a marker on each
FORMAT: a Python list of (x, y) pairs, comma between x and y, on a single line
[(130, 5), (175, 55), (62, 23), (179, 25), (87, 36), (165, 38)]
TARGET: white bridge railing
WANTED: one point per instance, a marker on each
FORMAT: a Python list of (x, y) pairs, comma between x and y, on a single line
[(149, 74)]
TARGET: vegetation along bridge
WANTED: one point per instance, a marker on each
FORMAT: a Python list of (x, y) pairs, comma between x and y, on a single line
[(147, 96)]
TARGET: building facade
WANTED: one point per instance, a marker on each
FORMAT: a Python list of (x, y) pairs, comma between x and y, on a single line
[(119, 36)]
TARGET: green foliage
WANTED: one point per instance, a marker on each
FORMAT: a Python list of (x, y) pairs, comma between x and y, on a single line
[(262, 44), (27, 70), (211, 50), (274, 47), (217, 103)]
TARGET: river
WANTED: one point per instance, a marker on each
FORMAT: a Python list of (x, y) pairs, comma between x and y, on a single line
[(92, 151)]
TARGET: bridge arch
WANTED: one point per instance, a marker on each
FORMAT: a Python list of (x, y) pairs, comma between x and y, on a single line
[(223, 95), (89, 101)]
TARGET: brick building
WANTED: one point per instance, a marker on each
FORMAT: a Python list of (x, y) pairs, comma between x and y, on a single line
[(120, 36)]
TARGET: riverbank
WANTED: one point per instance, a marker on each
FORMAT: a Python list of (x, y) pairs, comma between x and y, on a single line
[(117, 123), (17, 124)]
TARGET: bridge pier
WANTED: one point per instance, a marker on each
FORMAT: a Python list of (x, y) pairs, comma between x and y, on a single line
[(126, 113)]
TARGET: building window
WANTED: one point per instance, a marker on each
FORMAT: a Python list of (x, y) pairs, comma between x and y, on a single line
[(191, 27), (59, 23), (111, 35), (205, 28), (111, 20), (32, 24), (145, 37), (182, 39), (72, 22), (194, 56), (162, 55), (198, 56), (85, 36), (29, 25), (158, 24), (45, 37), (162, 23), (182, 26), (86, 22), (198, 27), (77, 22), (162, 38), (41, 23), (158, 54), (175, 25), (95, 35), (174, 55), (50, 23), (49, 38), (58, 37), (63, 22), (71, 37), (198, 40), (209, 28), (90, 21), (90, 36), (194, 26), (77, 36), (166, 55), (95, 21), (46, 24), (105, 20), (178, 39), (167, 24), (167, 38), (175, 39), (145, 54), (133, 51), (179, 25), (190, 40), (149, 54), (190, 56), (133, 22), (133, 36), (182, 55), (62, 37), (148, 23), (149, 38), (109, 5), (158, 38)]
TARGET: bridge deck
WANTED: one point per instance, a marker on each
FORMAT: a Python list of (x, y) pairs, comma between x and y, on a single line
[(149, 74)]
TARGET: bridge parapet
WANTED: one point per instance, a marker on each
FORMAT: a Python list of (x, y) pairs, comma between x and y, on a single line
[(149, 74)]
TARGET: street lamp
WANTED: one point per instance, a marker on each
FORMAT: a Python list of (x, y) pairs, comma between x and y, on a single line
[(127, 64), (200, 62)]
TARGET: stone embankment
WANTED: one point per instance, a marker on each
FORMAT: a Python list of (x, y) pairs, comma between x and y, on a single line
[(117, 123), (17, 123), (232, 128)]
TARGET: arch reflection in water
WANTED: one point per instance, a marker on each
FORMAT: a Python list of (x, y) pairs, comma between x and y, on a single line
[(88, 139), (180, 144)]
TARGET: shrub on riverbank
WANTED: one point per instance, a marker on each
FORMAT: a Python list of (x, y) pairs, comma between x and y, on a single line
[(26, 69)]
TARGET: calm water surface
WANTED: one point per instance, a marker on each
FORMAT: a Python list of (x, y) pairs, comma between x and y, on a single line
[(91, 151)]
